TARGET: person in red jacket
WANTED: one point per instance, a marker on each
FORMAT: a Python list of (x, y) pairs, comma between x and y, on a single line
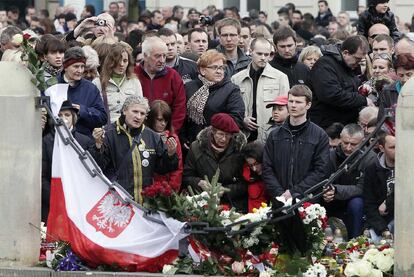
[(160, 82), (159, 120), (252, 174)]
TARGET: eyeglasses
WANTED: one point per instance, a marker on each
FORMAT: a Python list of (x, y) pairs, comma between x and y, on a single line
[(217, 67), (383, 56), (222, 135), (229, 35)]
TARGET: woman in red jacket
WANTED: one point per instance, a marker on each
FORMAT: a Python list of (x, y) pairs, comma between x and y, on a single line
[(252, 173), (159, 120)]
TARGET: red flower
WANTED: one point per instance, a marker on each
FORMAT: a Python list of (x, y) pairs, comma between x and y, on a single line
[(306, 204), (26, 36), (225, 207), (302, 215)]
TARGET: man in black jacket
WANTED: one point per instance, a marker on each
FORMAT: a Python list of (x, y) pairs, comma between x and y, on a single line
[(379, 189), (286, 58), (296, 154), (344, 198), (185, 67), (335, 84), (324, 14)]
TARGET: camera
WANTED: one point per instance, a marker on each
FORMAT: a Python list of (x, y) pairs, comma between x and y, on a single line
[(206, 20), (100, 22)]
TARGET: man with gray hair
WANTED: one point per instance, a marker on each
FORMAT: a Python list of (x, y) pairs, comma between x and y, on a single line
[(160, 82), (343, 199), (130, 153), (6, 38)]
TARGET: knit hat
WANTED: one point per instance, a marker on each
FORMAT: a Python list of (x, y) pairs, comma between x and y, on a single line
[(73, 55), (280, 100), (225, 123)]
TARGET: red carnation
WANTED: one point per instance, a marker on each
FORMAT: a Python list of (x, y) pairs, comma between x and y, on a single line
[(26, 36), (307, 204)]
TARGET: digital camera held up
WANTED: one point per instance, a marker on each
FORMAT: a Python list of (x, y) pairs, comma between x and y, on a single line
[(100, 22)]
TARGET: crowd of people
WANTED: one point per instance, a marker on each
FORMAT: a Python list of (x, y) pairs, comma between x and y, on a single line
[(276, 107)]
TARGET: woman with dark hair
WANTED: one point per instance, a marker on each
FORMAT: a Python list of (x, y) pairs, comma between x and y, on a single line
[(117, 80), (159, 120), (252, 174), (404, 67)]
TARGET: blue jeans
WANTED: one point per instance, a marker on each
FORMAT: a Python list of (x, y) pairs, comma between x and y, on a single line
[(354, 217)]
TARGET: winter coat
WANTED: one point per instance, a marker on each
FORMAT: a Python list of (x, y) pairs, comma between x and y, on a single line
[(167, 85), (224, 97), (349, 184), (116, 94), (202, 161), (47, 154), (186, 68), (388, 98), (297, 72), (135, 171), (272, 83), (295, 162), (335, 90), (370, 17), (256, 189), (323, 19), (377, 185), (92, 112), (242, 61), (270, 126), (173, 178)]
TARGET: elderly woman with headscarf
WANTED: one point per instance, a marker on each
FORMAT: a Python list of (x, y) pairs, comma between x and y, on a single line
[(129, 152), (218, 147), (211, 93)]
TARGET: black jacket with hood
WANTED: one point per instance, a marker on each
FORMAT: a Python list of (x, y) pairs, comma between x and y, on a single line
[(323, 19), (295, 160), (335, 90), (371, 17), (378, 187)]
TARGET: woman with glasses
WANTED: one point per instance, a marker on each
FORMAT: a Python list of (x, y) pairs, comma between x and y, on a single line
[(218, 146), (209, 94)]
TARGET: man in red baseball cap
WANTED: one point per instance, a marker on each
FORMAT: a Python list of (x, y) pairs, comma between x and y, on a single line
[(279, 113)]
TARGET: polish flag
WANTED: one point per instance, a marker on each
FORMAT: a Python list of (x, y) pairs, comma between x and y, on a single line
[(98, 226)]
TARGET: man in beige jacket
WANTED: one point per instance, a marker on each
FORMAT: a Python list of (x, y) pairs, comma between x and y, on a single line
[(259, 84)]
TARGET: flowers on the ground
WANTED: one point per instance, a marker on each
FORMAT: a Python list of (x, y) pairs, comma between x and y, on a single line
[(316, 270)]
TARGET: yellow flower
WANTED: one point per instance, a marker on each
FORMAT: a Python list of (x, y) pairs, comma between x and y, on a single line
[(264, 205), (254, 210)]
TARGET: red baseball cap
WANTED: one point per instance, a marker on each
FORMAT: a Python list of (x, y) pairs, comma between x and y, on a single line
[(280, 100)]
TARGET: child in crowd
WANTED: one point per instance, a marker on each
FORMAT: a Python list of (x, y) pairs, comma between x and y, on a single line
[(252, 174), (378, 12), (159, 120), (279, 113)]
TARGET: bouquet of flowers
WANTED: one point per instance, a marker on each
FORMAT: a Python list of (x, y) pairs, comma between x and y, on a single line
[(315, 220)]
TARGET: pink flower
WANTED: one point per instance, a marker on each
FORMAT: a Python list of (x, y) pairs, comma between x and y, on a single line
[(238, 267)]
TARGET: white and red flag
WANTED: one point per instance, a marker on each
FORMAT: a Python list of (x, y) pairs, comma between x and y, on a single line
[(98, 226)]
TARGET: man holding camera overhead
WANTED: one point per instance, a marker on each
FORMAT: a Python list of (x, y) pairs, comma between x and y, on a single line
[(101, 25)]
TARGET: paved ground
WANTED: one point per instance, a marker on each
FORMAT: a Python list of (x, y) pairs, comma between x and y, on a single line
[(45, 272)]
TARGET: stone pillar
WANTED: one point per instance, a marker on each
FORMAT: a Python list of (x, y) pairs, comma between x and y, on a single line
[(20, 167), (404, 183)]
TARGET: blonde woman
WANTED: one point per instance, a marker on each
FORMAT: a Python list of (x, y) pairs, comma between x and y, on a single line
[(310, 55)]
